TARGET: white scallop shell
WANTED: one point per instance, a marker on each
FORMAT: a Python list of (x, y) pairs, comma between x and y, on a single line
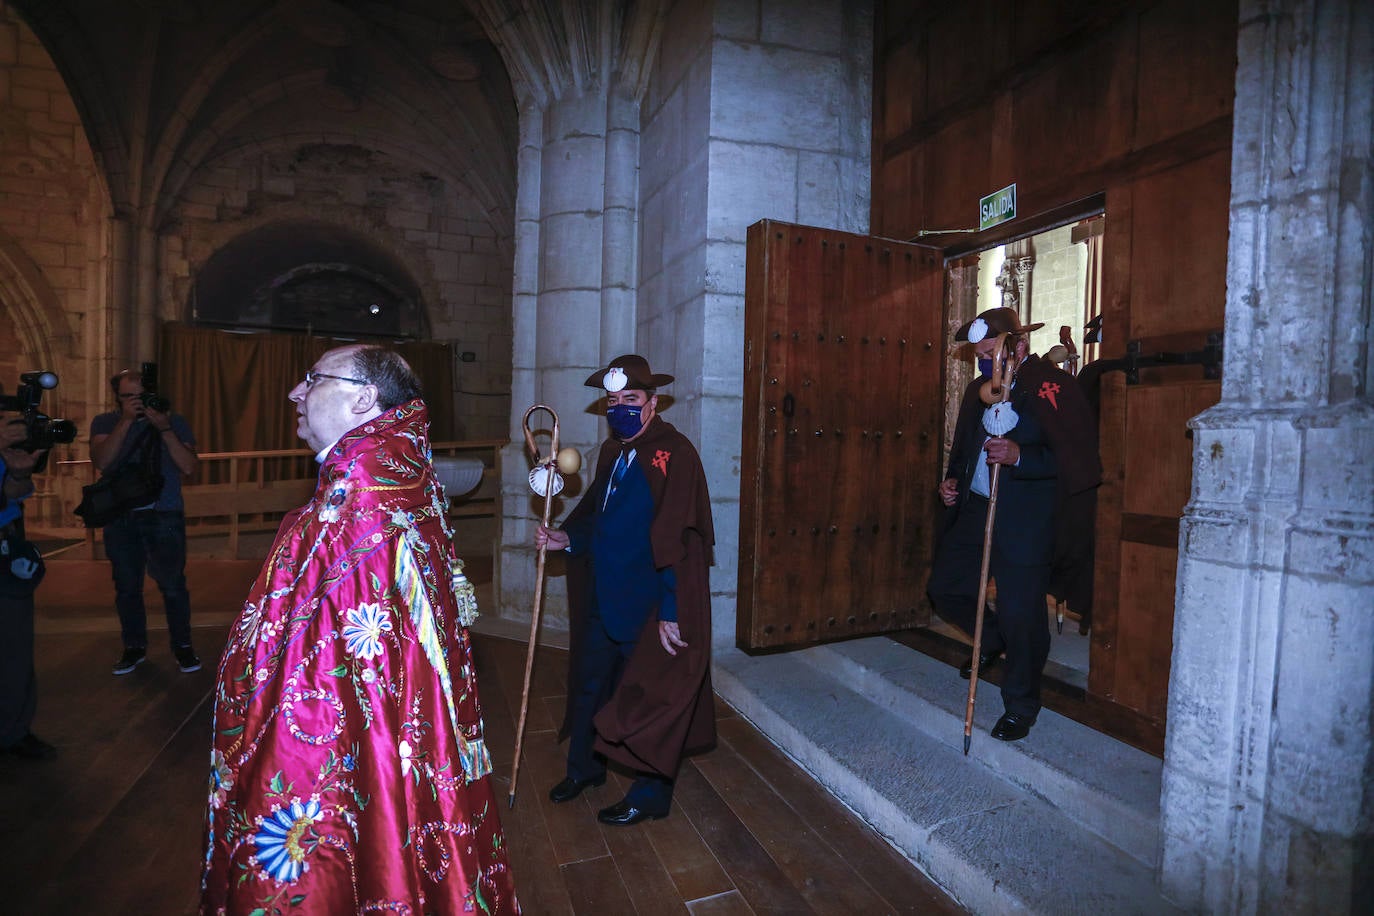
[(999, 419), (977, 330), (539, 478), (615, 379)]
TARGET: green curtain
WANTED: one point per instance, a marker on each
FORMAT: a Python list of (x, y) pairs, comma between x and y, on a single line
[(232, 386)]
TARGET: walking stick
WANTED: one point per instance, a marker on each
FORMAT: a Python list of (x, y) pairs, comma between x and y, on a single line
[(546, 481), (996, 391), (1069, 365)]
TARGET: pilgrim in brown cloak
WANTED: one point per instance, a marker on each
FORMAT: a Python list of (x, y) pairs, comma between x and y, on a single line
[(662, 709)]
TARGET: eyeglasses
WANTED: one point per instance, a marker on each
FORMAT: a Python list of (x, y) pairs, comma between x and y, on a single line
[(312, 377)]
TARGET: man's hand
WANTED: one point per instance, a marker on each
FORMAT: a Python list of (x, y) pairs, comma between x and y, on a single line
[(949, 490), (130, 407), (13, 431), (551, 538), (19, 463), (669, 635), (19, 466), (161, 422), (1002, 451)]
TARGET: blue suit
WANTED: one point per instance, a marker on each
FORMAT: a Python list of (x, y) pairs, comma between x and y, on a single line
[(627, 594), (627, 587)]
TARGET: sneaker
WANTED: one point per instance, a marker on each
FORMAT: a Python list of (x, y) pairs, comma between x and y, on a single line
[(130, 660), (186, 659), (31, 747)]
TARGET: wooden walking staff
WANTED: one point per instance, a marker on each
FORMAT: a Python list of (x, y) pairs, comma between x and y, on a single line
[(1070, 365), (995, 391), (546, 480)]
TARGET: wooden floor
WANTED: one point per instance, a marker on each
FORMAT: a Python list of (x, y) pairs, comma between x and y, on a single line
[(114, 824)]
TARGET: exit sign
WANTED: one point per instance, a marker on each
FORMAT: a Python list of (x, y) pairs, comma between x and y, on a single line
[(997, 207)]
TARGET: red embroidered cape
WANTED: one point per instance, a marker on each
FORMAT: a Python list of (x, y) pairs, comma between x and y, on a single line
[(348, 770)]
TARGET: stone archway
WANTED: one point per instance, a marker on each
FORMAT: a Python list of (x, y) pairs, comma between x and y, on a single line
[(44, 334), (360, 286), (45, 341)]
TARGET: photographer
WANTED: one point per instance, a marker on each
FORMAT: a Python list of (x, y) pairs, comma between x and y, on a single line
[(151, 537), (21, 568)]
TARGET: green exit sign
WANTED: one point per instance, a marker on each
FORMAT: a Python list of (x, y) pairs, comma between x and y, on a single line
[(997, 207)]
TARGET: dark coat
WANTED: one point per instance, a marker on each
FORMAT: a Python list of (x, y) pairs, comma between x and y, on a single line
[(1057, 436), (662, 709)]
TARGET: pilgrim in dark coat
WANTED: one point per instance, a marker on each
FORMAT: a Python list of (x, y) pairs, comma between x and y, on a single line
[(1048, 457)]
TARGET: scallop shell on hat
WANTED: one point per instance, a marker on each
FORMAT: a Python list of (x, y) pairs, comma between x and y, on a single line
[(615, 379)]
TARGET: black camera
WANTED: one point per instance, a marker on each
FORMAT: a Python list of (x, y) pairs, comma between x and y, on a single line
[(147, 377), (41, 430)]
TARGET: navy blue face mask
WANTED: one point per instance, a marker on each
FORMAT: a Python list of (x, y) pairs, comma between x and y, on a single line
[(624, 420), (985, 366)]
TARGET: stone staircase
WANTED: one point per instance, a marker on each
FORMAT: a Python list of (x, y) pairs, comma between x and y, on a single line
[(1064, 821)]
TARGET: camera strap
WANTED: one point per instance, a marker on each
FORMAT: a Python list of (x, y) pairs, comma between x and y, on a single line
[(140, 449)]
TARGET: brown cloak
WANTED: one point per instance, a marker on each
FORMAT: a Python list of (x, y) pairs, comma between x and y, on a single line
[(1071, 425), (662, 710)]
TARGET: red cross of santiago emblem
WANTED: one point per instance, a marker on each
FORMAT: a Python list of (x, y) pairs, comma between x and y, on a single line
[(1048, 390), (660, 461)]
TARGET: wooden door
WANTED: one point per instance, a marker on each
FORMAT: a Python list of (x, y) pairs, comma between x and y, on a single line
[(842, 411), (1162, 293)]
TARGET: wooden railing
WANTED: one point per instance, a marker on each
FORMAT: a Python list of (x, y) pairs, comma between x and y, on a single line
[(251, 491)]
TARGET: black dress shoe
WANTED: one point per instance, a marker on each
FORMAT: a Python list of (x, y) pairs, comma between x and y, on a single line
[(985, 661), (1013, 726), (623, 814), (570, 788)]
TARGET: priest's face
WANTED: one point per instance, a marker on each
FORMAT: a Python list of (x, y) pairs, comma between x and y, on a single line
[(330, 400)]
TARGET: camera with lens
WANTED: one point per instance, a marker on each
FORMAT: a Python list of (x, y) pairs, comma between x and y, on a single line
[(41, 430), (147, 377)]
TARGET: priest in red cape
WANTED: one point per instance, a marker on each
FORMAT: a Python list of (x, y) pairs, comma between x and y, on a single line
[(348, 772)]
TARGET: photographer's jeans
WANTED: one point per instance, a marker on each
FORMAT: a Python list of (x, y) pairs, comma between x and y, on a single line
[(156, 542)]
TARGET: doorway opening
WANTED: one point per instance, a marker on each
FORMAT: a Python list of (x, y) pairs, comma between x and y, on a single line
[(1051, 277)]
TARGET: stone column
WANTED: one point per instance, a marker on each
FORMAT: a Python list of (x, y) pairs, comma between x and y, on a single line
[(514, 560), (110, 341), (142, 339), (1269, 762), (619, 221), (574, 301)]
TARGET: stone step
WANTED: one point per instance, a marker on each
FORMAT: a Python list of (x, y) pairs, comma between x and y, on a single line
[(977, 825), (1102, 784)]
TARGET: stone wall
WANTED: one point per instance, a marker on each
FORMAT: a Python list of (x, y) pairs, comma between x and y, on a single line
[(455, 256), (52, 210), (770, 120), (1057, 287), (675, 256), (1267, 804)]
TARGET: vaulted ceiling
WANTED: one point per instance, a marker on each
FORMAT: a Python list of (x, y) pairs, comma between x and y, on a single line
[(166, 87)]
